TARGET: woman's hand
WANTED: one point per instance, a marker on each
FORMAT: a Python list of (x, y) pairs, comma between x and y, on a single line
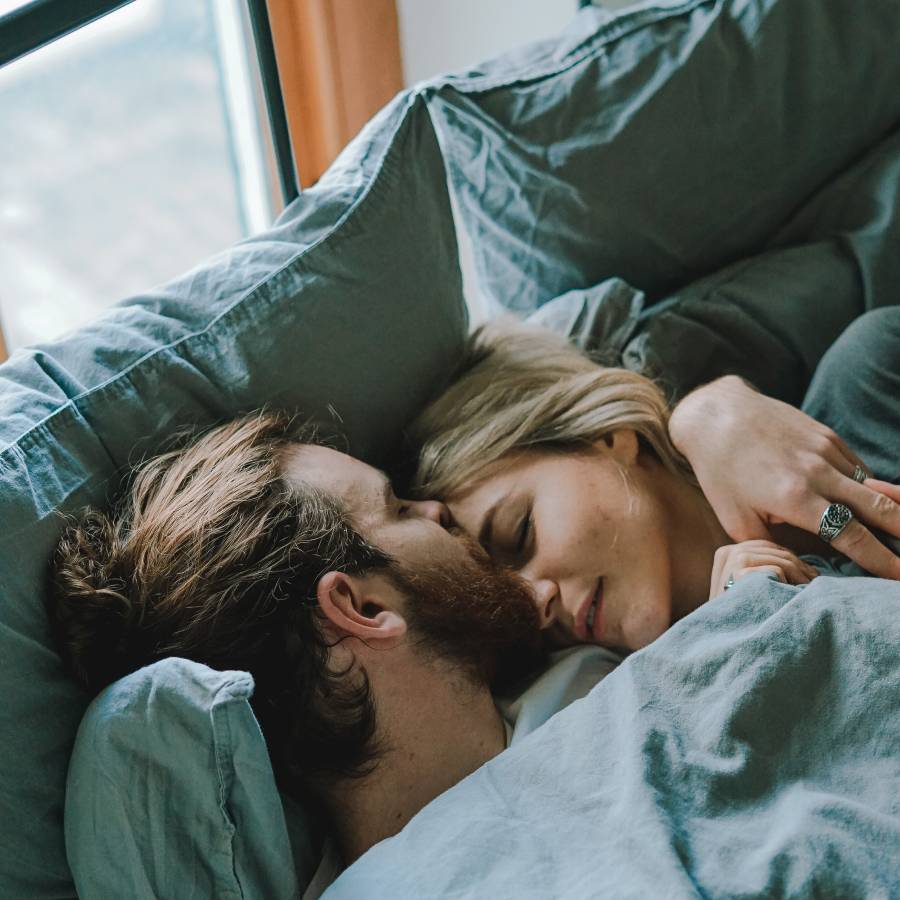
[(733, 561), (761, 462)]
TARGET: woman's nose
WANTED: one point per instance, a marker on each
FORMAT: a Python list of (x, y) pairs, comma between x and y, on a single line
[(430, 509), (546, 598)]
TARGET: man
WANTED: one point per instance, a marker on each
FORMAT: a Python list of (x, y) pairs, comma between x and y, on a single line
[(371, 628)]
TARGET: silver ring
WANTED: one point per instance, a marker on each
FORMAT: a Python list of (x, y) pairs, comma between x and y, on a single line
[(859, 474), (834, 520), (730, 582)]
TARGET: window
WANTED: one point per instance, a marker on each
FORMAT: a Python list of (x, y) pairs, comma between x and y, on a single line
[(133, 148)]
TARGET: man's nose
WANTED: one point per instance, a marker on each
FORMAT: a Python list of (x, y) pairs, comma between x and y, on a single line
[(546, 598), (430, 509)]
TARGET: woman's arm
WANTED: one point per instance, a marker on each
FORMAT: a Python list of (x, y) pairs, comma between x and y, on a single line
[(763, 463)]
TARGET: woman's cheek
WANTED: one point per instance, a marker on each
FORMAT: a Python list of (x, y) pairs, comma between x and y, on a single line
[(644, 623), (648, 595)]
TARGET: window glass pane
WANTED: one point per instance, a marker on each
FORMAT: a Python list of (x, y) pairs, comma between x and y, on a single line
[(119, 165)]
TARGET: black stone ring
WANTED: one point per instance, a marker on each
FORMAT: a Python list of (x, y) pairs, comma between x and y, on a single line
[(834, 520)]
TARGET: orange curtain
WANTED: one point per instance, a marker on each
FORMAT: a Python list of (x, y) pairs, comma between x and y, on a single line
[(339, 63)]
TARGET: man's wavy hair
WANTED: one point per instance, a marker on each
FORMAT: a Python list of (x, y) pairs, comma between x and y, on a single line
[(213, 557)]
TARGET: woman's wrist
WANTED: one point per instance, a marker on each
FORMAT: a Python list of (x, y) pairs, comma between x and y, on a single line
[(705, 408)]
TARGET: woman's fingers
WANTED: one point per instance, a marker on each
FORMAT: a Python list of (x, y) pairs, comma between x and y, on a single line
[(735, 561), (777, 571), (757, 552), (791, 571), (784, 572)]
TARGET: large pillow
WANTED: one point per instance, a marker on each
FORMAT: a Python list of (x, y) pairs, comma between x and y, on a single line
[(171, 792), (768, 318), (353, 301), (662, 143)]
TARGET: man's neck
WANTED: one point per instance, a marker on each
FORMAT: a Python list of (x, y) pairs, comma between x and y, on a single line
[(435, 731)]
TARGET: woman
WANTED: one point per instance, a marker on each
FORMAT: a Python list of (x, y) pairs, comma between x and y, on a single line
[(567, 472)]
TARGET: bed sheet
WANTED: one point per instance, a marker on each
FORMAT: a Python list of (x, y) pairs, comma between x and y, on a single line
[(752, 751)]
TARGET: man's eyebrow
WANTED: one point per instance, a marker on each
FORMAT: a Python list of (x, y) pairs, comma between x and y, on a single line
[(486, 532)]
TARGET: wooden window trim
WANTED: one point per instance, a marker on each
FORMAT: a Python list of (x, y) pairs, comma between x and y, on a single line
[(339, 63)]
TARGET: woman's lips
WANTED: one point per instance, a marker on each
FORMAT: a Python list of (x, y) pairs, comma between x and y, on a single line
[(589, 621), (597, 606)]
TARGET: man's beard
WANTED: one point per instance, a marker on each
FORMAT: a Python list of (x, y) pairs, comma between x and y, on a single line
[(474, 614)]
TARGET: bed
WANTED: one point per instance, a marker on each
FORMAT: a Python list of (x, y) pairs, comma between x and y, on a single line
[(691, 187)]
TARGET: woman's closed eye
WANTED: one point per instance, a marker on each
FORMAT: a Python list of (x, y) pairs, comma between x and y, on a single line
[(515, 549), (523, 534)]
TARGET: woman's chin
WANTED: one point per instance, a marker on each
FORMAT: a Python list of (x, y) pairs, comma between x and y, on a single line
[(644, 632)]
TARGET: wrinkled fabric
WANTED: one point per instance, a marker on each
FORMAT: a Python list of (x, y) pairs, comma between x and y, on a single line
[(663, 143), (751, 751), (769, 318), (170, 792)]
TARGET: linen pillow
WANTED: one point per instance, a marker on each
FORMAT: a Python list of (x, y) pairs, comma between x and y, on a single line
[(172, 764), (352, 301), (661, 143), (768, 318)]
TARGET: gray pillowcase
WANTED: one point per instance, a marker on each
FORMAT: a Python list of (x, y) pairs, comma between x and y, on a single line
[(663, 143), (171, 794), (769, 318)]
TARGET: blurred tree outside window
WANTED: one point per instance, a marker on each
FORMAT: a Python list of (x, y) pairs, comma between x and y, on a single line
[(131, 149)]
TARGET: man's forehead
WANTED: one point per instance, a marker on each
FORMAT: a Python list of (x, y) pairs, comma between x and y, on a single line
[(355, 483)]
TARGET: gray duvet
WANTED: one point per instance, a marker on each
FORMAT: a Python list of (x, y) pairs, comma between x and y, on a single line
[(752, 751)]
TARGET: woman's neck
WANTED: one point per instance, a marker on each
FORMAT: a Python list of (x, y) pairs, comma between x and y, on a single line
[(696, 535)]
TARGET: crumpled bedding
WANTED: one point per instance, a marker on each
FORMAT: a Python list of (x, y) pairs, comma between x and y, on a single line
[(752, 751), (839, 255)]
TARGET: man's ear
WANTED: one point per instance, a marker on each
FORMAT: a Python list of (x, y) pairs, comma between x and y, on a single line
[(362, 608), (622, 444)]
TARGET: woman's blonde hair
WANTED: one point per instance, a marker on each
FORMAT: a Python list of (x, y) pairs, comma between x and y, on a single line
[(214, 556), (521, 387)]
